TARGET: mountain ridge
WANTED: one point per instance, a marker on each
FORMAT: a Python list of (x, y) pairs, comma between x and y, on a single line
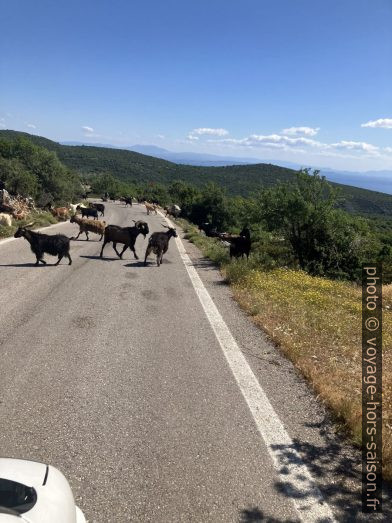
[(241, 180)]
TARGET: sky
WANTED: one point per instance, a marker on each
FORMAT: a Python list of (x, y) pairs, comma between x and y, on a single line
[(303, 81)]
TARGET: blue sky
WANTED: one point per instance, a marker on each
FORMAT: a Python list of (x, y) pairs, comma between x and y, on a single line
[(304, 81)]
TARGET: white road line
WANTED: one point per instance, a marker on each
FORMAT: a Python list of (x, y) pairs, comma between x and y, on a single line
[(7, 240), (294, 474)]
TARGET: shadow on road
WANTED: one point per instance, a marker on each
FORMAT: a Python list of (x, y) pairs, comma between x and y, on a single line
[(205, 264), (99, 258), (30, 265), (137, 263), (332, 460), (84, 240), (255, 515)]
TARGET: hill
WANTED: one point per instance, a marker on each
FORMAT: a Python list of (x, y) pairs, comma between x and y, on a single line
[(242, 180)]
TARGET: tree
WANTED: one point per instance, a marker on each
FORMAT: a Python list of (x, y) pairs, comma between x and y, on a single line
[(17, 179), (184, 195), (34, 171), (325, 240), (212, 207)]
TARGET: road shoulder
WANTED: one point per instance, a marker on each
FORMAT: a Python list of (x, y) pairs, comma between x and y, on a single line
[(334, 464)]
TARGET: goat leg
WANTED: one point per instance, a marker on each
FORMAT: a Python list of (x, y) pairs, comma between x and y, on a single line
[(122, 252), (103, 246), (148, 251), (115, 248)]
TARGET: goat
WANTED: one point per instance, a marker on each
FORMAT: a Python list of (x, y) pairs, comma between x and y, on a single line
[(100, 207), (127, 200), (240, 245), (60, 213), (56, 245), (150, 207), (19, 215), (74, 206), (210, 230), (87, 226), (159, 243), (87, 212), (5, 219), (140, 223), (125, 235), (173, 210)]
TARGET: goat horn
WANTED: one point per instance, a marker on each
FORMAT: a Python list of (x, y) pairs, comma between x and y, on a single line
[(29, 224), (167, 227)]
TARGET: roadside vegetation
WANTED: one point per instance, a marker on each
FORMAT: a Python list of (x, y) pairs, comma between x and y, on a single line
[(316, 322), (32, 171), (40, 219)]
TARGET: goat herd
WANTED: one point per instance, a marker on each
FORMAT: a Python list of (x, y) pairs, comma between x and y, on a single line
[(59, 244)]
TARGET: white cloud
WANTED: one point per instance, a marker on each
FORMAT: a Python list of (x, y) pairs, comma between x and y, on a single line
[(87, 129), (210, 132), (306, 131), (304, 145), (275, 141), (192, 137), (385, 123), (356, 146), (161, 136), (31, 126)]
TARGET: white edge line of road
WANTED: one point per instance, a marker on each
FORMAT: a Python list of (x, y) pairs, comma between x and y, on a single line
[(294, 474), (12, 239)]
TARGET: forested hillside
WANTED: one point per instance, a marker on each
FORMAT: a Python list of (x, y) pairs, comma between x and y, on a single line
[(241, 180)]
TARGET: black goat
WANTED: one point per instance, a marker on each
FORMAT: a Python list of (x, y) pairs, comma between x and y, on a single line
[(210, 230), (159, 243), (125, 235), (87, 212), (241, 245), (100, 208), (127, 200), (56, 245)]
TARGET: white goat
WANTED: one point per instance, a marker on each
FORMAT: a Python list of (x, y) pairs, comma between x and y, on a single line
[(5, 219)]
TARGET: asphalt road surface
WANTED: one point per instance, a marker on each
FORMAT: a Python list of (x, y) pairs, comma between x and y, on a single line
[(156, 396)]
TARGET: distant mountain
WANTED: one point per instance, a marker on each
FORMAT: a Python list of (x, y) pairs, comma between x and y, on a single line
[(372, 180), (243, 179), (185, 158)]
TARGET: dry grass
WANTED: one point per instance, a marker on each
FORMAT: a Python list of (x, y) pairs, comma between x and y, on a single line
[(317, 324)]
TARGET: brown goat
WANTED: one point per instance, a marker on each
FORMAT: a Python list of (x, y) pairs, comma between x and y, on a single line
[(86, 226), (60, 213)]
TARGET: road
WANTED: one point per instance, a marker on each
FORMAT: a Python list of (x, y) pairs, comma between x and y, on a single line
[(156, 396)]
